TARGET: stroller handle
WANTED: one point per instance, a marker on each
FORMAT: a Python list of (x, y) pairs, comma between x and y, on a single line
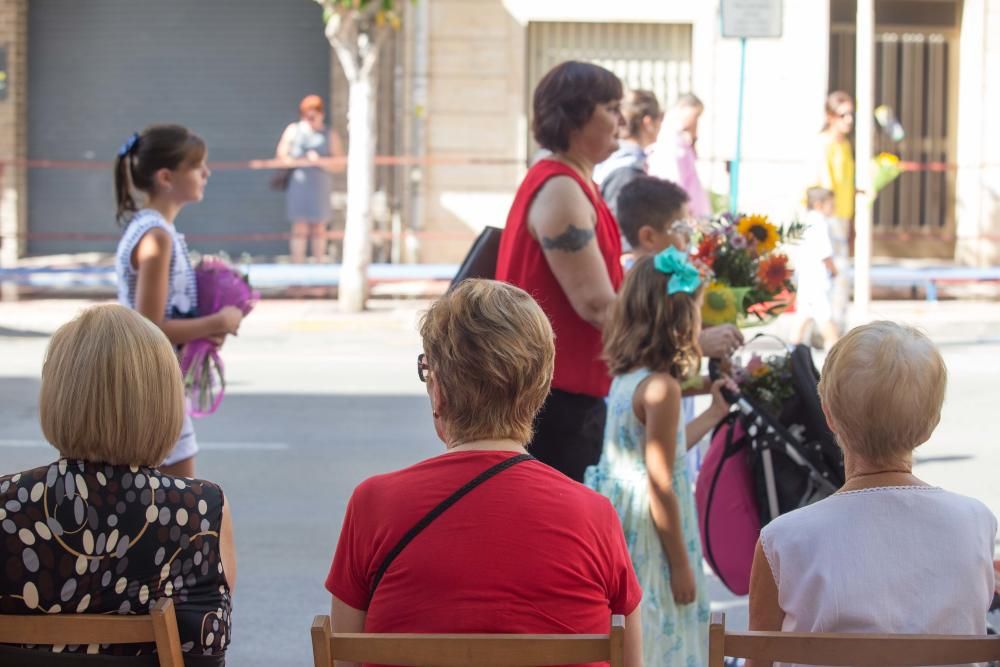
[(714, 373), (715, 367)]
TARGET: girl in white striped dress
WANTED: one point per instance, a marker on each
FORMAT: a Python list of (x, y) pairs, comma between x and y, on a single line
[(166, 166)]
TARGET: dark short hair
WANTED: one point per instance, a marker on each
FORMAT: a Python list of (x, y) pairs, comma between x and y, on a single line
[(565, 99), (817, 195), (636, 106), (649, 202)]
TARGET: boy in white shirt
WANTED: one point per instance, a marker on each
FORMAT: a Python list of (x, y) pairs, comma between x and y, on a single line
[(815, 271)]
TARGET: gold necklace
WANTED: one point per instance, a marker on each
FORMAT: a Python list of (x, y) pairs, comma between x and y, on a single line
[(881, 472), (575, 166)]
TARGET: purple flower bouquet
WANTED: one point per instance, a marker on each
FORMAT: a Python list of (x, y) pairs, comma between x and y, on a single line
[(219, 285)]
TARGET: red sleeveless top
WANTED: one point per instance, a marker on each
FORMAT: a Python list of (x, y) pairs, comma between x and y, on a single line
[(521, 262)]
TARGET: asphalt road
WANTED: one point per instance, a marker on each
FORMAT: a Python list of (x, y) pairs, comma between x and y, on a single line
[(319, 401)]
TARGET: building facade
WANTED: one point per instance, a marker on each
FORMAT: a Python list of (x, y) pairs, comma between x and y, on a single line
[(931, 61), (455, 97)]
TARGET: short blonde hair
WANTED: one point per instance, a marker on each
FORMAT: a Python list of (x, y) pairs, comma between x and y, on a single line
[(883, 386), (111, 389), (490, 350)]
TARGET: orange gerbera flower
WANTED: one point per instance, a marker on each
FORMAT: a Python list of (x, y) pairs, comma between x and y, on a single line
[(706, 250), (773, 272)]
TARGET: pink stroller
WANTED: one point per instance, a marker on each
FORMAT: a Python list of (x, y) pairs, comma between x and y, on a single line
[(759, 466)]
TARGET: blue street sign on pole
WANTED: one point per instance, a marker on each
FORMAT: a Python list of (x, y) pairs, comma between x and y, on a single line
[(743, 19)]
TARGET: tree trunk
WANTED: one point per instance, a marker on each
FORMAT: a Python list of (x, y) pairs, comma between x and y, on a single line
[(353, 288)]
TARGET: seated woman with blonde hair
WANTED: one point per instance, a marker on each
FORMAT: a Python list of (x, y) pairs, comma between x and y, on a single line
[(524, 549), (101, 531), (888, 553)]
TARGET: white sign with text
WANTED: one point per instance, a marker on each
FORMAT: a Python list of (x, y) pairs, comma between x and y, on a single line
[(751, 18)]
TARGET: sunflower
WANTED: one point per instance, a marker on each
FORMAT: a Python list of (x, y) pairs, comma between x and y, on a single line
[(758, 228), (773, 272), (719, 306)]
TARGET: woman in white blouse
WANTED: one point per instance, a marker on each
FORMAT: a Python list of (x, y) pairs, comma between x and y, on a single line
[(888, 553)]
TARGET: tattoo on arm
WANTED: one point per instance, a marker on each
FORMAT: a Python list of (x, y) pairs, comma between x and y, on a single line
[(573, 239)]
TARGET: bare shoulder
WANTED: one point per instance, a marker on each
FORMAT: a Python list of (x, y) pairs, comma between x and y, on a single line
[(561, 193), (154, 243), (158, 237), (655, 394), (659, 389), (561, 217), (288, 134)]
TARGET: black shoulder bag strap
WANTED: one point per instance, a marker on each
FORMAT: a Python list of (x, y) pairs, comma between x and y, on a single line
[(439, 510)]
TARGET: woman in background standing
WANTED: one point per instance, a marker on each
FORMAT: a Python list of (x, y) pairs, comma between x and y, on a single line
[(673, 156), (563, 247), (835, 172), (307, 199)]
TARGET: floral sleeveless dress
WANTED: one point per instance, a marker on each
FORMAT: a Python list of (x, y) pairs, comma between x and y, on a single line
[(672, 635)]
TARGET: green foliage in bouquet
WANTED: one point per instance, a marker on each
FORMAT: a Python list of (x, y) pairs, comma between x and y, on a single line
[(748, 268), (767, 383)]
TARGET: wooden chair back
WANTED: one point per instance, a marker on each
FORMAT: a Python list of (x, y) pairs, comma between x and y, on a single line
[(411, 650), (847, 650), (159, 627)]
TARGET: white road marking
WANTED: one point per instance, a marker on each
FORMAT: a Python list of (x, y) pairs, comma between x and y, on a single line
[(206, 446)]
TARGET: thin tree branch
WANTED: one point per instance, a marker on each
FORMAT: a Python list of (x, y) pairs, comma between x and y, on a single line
[(347, 59), (341, 31), (374, 49)]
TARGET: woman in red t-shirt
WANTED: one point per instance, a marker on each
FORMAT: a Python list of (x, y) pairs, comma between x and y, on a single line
[(562, 245), (526, 551)]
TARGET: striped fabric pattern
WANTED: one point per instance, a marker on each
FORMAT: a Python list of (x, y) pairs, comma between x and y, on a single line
[(182, 293)]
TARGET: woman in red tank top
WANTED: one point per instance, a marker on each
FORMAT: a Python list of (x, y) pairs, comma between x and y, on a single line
[(562, 245)]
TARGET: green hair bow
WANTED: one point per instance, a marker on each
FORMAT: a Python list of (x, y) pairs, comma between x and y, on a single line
[(683, 276)]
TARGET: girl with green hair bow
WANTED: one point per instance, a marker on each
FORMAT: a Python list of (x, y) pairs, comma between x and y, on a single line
[(651, 347)]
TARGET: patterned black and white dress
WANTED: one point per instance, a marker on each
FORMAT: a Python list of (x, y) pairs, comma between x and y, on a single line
[(182, 289), (182, 295), (83, 537)]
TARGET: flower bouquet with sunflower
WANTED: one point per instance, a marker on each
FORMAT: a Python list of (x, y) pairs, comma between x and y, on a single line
[(749, 272)]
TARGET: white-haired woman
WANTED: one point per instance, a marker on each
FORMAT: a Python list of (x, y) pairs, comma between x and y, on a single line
[(888, 553)]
